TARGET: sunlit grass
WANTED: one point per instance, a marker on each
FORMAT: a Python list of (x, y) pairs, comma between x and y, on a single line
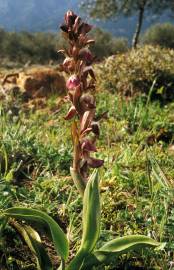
[(35, 154)]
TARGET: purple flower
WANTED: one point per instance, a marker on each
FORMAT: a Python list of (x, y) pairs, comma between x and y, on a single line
[(85, 28), (71, 113), (94, 162), (86, 55), (88, 146), (69, 64), (73, 82)]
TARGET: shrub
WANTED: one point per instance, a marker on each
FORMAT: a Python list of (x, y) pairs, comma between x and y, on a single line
[(41, 48), (24, 46), (160, 34), (136, 70), (106, 45)]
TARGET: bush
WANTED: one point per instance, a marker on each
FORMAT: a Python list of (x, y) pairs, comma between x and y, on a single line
[(160, 34), (24, 46), (41, 48), (106, 45), (136, 70)]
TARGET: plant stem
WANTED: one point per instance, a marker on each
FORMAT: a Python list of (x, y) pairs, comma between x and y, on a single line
[(77, 262), (78, 181)]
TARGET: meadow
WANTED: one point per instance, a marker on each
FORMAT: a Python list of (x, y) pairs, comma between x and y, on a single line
[(136, 144)]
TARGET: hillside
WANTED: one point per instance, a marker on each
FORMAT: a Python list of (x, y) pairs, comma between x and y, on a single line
[(33, 15), (43, 15)]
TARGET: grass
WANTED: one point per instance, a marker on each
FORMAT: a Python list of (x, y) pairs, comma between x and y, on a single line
[(136, 180)]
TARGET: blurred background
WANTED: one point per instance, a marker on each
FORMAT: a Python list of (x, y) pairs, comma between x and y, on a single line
[(29, 30)]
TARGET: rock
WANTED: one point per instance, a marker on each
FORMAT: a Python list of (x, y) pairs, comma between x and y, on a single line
[(41, 82)]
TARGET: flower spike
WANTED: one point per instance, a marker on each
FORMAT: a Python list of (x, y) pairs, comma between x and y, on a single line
[(80, 88)]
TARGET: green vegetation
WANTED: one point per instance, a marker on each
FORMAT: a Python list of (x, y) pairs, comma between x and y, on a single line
[(102, 9), (49, 219), (160, 34), (25, 47), (138, 71), (136, 181), (106, 44)]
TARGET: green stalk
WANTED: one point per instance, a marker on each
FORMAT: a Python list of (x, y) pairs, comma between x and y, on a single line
[(78, 181), (77, 262)]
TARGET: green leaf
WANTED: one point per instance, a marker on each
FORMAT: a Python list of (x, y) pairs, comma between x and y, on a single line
[(91, 221), (126, 242), (117, 247), (3, 223), (157, 171), (57, 235), (91, 213), (9, 176), (33, 241), (62, 265)]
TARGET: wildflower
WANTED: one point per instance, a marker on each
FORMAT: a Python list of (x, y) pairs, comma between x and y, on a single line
[(70, 18), (86, 56), (68, 65), (73, 82), (81, 84), (71, 113)]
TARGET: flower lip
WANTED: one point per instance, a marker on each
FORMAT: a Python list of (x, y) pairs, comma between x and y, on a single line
[(71, 113), (73, 82), (88, 146), (95, 128), (94, 162)]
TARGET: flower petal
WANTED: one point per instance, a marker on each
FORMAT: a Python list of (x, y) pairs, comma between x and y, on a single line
[(90, 41), (95, 128), (77, 24), (71, 113), (84, 28), (85, 132), (76, 95), (64, 28), (87, 145), (88, 70), (70, 18), (73, 82), (69, 64), (86, 120), (87, 102), (94, 162), (86, 55)]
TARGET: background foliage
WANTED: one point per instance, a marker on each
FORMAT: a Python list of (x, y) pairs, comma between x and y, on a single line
[(136, 70)]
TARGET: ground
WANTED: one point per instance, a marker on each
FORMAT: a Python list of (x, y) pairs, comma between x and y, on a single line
[(136, 181)]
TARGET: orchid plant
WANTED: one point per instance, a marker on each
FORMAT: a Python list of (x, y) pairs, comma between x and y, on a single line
[(81, 87), (85, 132)]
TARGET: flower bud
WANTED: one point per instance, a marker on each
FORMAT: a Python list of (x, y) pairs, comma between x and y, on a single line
[(70, 18), (73, 82), (75, 51)]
